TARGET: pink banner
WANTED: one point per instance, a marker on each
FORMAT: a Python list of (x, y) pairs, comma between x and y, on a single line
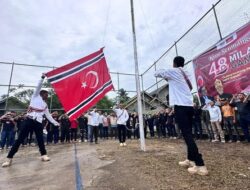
[(225, 68)]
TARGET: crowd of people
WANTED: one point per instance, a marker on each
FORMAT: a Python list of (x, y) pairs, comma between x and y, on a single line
[(217, 121)]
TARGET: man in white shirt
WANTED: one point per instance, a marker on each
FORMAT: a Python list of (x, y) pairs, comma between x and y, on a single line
[(37, 109), (122, 117), (93, 126), (181, 98), (215, 119)]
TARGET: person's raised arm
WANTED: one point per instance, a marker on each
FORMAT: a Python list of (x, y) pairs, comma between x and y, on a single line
[(39, 86)]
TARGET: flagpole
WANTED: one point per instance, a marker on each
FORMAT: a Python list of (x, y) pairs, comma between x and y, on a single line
[(137, 79)]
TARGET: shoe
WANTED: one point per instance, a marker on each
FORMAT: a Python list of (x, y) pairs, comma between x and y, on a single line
[(174, 137), (200, 170), (186, 163), (7, 163), (238, 141), (223, 141), (213, 141), (1, 148), (45, 158), (79, 141), (121, 144), (124, 144), (85, 140)]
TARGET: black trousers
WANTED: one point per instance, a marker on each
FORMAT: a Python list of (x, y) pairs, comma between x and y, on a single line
[(121, 133), (73, 132), (184, 115), (65, 135), (29, 125)]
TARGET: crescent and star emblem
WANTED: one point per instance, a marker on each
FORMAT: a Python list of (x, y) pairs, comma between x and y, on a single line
[(84, 84)]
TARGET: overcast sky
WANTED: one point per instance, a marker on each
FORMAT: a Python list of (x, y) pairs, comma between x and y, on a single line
[(56, 32)]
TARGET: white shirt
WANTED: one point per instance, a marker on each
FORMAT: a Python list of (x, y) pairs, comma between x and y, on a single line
[(179, 92), (94, 119), (122, 116), (214, 112), (37, 103), (101, 119)]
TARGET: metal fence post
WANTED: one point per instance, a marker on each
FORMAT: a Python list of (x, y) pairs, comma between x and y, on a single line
[(217, 22), (143, 97), (176, 49), (157, 87), (8, 93)]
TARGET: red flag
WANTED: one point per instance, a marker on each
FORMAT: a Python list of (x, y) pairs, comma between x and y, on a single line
[(81, 84)]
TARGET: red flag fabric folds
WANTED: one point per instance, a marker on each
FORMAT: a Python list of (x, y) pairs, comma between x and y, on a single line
[(81, 84)]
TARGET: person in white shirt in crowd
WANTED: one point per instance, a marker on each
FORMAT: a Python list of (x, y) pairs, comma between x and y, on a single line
[(181, 98), (122, 117), (113, 125), (93, 126), (37, 109), (106, 123), (215, 119)]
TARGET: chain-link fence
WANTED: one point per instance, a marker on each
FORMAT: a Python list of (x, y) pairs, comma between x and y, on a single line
[(222, 19)]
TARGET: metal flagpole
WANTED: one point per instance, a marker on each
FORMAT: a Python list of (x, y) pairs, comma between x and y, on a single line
[(137, 79)]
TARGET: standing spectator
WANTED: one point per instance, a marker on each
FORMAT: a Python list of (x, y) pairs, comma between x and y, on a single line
[(170, 123), (181, 98), (129, 126), (215, 119), (229, 120), (135, 126), (55, 128), (83, 125), (19, 123), (122, 117), (157, 124), (100, 126), (150, 121), (73, 130), (243, 108), (93, 125), (162, 123), (65, 128), (197, 122), (113, 125), (8, 129), (106, 123)]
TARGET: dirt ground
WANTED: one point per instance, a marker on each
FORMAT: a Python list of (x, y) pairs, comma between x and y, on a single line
[(106, 166), (157, 168)]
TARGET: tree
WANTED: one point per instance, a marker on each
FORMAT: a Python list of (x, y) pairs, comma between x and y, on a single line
[(123, 96), (104, 104)]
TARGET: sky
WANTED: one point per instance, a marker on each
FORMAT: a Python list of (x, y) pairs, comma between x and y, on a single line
[(57, 32)]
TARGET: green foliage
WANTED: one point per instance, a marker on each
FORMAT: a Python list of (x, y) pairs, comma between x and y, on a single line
[(105, 103), (123, 96)]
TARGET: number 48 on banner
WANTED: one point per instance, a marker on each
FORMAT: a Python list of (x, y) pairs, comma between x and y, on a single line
[(218, 68)]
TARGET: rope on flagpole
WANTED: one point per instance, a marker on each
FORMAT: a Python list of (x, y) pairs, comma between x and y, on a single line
[(106, 24)]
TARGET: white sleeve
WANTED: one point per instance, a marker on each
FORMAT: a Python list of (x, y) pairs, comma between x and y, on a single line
[(38, 88), (126, 116), (219, 113), (50, 118), (166, 74)]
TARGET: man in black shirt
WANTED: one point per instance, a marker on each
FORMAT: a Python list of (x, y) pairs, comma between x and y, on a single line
[(8, 128), (243, 108)]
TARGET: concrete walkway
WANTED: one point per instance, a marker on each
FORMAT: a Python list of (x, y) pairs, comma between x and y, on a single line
[(28, 172)]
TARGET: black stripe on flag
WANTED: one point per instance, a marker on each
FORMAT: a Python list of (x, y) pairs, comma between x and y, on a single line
[(89, 99), (76, 69)]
